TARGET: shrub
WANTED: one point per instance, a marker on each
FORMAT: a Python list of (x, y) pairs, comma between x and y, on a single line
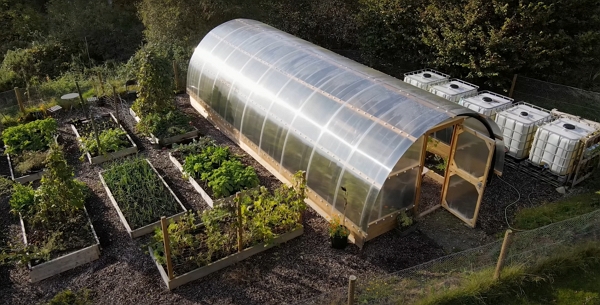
[(22, 199)]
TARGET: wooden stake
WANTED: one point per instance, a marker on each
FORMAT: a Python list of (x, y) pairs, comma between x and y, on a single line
[(101, 83), (512, 86), (90, 116), (303, 181), (167, 245), (503, 251), (116, 104), (20, 99), (351, 287), (238, 209)]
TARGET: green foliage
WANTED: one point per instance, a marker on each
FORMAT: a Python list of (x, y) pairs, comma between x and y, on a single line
[(111, 140), (59, 196), (264, 215), (336, 229), (22, 199), (209, 159), (68, 297), (164, 125), (230, 177), (222, 172), (195, 147), (30, 160), (37, 61), (34, 136), (404, 220), (6, 186), (155, 94), (140, 193), (531, 218)]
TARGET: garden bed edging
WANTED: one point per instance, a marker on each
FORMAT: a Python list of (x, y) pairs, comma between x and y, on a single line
[(222, 263)]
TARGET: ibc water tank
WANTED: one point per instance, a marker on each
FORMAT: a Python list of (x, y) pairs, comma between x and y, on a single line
[(426, 78), (487, 103), (557, 144), (518, 125), (454, 90)]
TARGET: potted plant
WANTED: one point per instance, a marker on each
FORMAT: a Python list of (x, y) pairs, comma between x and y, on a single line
[(338, 232), (406, 224)]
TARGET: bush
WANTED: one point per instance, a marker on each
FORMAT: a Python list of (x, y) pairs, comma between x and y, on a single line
[(111, 140)]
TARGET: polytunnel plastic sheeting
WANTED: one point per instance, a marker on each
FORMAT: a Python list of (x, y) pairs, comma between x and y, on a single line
[(311, 109)]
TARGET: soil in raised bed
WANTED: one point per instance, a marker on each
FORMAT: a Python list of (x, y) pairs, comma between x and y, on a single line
[(74, 234), (434, 162), (85, 129), (16, 160)]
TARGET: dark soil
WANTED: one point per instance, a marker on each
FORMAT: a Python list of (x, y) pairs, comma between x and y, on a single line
[(76, 234), (302, 268)]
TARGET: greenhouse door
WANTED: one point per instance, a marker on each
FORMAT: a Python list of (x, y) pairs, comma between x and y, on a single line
[(470, 157)]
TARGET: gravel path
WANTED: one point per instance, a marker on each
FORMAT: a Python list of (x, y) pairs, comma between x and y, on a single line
[(125, 274)]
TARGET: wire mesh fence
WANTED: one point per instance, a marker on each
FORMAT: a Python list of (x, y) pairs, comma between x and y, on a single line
[(579, 102), (527, 248)]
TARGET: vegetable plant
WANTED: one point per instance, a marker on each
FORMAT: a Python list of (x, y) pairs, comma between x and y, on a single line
[(142, 196), (111, 140), (195, 147), (199, 239), (164, 124), (29, 161), (33, 136), (53, 213)]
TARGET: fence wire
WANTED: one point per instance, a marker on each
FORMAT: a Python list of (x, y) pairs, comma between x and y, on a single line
[(527, 248), (579, 102)]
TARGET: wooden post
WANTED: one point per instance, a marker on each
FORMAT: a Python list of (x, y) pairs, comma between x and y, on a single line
[(503, 251), (238, 210), (176, 73), (351, 287), (303, 181), (20, 99), (116, 104), (91, 117), (167, 245), (101, 83), (512, 86)]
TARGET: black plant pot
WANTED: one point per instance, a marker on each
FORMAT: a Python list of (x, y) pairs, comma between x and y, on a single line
[(339, 242), (405, 231)]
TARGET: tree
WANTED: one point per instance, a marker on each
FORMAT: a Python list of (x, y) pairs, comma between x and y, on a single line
[(490, 40), (155, 80)]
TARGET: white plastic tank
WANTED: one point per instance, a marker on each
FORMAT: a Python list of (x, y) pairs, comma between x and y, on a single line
[(557, 145), (426, 78), (487, 103), (454, 90), (518, 125)]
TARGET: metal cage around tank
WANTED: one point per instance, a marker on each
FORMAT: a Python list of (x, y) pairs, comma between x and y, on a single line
[(296, 106)]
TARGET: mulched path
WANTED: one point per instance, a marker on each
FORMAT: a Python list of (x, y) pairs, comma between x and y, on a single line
[(297, 270)]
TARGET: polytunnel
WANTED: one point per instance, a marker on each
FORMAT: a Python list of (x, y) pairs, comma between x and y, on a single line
[(296, 106)]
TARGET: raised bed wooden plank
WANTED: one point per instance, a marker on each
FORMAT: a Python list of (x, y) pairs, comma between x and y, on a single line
[(26, 178), (64, 262), (170, 140), (147, 229), (113, 155), (222, 263)]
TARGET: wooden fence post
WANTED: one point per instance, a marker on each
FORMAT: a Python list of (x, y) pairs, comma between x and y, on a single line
[(301, 217), (167, 244), (20, 99), (117, 104), (512, 86), (101, 84), (238, 210), (351, 287), (503, 251)]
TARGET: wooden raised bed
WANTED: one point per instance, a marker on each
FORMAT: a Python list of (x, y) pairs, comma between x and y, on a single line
[(171, 140), (194, 183), (64, 262), (113, 155), (222, 263), (147, 229), (25, 178)]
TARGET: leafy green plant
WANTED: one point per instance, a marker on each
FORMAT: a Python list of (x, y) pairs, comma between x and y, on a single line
[(195, 147), (230, 177), (33, 136), (111, 140), (141, 194), (22, 199), (336, 229), (164, 124), (30, 160), (68, 297), (209, 159), (404, 220)]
